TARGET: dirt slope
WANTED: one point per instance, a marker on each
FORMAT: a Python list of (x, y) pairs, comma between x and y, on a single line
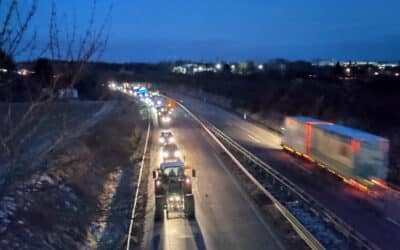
[(66, 205)]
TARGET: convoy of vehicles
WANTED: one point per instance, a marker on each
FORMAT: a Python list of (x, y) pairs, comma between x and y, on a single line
[(355, 156), (172, 180), (359, 158)]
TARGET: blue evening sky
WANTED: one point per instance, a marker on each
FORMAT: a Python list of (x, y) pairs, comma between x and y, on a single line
[(154, 30)]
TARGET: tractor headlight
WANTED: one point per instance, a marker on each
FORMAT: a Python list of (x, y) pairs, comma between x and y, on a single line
[(177, 153), (171, 139), (165, 154), (158, 182), (187, 180), (162, 139)]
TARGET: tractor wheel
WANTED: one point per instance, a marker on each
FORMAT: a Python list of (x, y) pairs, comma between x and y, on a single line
[(158, 188), (159, 208), (189, 206), (187, 188)]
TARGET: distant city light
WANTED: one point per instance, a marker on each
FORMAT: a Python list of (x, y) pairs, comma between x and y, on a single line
[(397, 74), (260, 67), (218, 66), (3, 70), (348, 71), (376, 73), (25, 72), (112, 85)]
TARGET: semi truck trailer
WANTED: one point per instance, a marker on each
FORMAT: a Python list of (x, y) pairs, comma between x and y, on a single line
[(350, 153)]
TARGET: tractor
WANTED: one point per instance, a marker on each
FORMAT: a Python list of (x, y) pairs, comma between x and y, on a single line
[(173, 190)]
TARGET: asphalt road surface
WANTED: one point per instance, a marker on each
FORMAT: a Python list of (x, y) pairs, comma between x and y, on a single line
[(349, 204), (226, 218)]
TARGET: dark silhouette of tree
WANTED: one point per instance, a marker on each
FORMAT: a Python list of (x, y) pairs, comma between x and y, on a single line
[(43, 73), (67, 61), (250, 67), (226, 68), (338, 70), (6, 61)]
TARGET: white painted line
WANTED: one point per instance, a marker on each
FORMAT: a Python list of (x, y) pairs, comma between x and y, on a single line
[(253, 138), (393, 221), (256, 212), (244, 128), (128, 244)]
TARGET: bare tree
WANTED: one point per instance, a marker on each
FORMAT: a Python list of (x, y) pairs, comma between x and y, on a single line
[(68, 56)]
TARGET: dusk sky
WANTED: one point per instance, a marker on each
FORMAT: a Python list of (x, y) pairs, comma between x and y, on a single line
[(154, 30)]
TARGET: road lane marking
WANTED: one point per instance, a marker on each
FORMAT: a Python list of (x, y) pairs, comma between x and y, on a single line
[(299, 228), (244, 128), (251, 204), (253, 138), (393, 221), (138, 187)]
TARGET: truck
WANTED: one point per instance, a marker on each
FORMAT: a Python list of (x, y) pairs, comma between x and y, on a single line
[(354, 155), (173, 190)]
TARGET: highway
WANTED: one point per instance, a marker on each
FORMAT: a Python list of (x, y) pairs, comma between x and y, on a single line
[(349, 204), (226, 218)]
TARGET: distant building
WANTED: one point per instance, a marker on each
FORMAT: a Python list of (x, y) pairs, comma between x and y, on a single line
[(191, 68), (67, 93), (324, 63)]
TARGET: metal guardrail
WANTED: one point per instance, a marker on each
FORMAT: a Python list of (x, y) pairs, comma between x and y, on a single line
[(128, 244), (296, 194)]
